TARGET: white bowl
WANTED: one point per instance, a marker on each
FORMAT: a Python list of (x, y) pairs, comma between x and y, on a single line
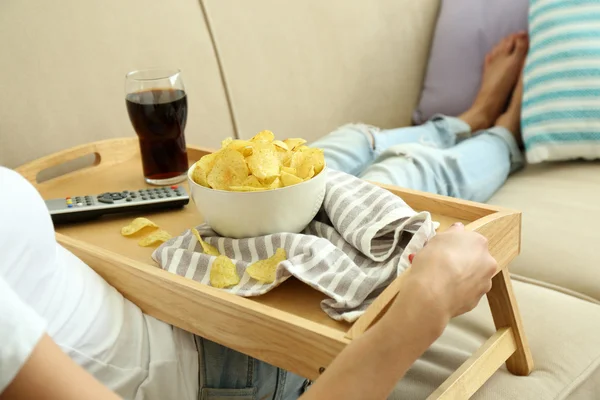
[(250, 214)]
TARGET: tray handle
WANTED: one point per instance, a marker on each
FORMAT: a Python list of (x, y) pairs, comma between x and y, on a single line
[(106, 152)]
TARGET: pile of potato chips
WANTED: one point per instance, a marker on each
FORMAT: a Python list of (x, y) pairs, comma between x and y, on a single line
[(223, 272), (261, 163)]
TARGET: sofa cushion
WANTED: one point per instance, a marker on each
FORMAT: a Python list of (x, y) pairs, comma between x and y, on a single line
[(561, 217), (562, 81), (64, 71), (303, 68), (466, 31), (563, 335)]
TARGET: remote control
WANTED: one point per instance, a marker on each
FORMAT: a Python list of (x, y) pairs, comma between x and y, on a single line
[(83, 208)]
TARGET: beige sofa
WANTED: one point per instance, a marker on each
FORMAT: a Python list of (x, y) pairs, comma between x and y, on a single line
[(302, 68)]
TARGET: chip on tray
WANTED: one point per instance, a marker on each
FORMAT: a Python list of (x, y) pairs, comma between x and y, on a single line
[(223, 273), (137, 225), (158, 236), (259, 164), (206, 248), (266, 270)]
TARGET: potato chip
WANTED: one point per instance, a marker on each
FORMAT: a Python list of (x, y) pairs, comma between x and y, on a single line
[(230, 169), (137, 225), (289, 179), (252, 181), (199, 175), (239, 145), (206, 248), (226, 142), (316, 158), (264, 162), (154, 238), (223, 273), (284, 155), (311, 173), (207, 162), (264, 136), (289, 170), (294, 142), (276, 184), (308, 161), (265, 270), (281, 145)]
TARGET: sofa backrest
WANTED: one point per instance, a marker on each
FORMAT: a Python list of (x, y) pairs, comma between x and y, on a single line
[(63, 68), (302, 68), (297, 68)]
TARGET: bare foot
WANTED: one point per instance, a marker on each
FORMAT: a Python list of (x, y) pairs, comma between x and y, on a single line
[(501, 71), (511, 119)]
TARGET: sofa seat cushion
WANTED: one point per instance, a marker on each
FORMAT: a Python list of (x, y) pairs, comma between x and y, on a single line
[(563, 335), (561, 218)]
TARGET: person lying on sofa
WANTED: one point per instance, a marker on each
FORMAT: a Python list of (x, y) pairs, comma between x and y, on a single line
[(67, 334), (468, 157), (57, 316)]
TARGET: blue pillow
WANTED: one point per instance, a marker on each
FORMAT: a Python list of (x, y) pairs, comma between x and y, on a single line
[(561, 100)]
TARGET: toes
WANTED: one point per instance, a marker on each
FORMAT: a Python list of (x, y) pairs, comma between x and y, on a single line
[(510, 43), (498, 48), (521, 46)]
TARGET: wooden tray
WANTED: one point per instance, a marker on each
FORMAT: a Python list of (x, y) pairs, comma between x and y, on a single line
[(285, 327)]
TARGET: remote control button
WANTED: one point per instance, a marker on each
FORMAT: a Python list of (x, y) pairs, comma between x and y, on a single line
[(133, 195), (174, 187), (106, 200), (161, 196), (116, 196), (152, 197), (125, 191), (80, 204), (128, 199), (168, 195), (70, 205), (144, 197)]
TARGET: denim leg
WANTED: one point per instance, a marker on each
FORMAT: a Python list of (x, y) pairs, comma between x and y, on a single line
[(350, 148), (473, 169), (226, 373)]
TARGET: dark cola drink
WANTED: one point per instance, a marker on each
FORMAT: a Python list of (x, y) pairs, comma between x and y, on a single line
[(158, 117)]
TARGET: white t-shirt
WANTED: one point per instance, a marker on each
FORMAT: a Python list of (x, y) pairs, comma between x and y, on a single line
[(45, 287)]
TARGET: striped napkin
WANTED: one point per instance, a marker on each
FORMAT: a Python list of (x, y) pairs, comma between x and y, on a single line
[(353, 249)]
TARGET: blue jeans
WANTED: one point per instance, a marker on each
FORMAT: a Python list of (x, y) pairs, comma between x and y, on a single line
[(441, 156), (228, 374)]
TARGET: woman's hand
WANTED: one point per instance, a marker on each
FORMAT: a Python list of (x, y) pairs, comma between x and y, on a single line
[(453, 271)]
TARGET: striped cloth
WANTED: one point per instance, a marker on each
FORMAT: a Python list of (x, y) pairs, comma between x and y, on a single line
[(561, 102), (356, 246)]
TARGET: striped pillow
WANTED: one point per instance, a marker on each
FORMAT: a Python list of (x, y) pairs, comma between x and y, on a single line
[(561, 100)]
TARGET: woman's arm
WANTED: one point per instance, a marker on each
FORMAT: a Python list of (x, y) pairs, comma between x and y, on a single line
[(374, 362), (447, 278), (49, 374)]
